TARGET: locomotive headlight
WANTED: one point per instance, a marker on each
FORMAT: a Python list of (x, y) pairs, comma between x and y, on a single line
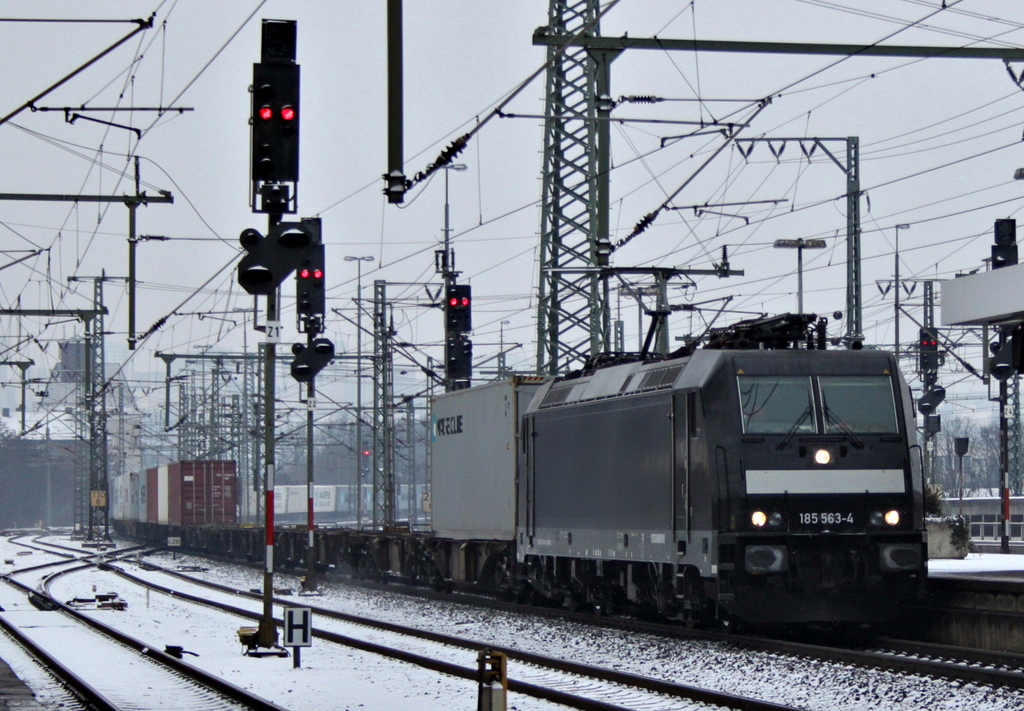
[(822, 457), (758, 518), (892, 517)]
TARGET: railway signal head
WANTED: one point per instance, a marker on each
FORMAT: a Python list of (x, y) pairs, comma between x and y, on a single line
[(931, 399), (458, 358), (310, 360), (1004, 249), (269, 260), (310, 297), (309, 281), (458, 309), (929, 351), (275, 122), (1001, 364)]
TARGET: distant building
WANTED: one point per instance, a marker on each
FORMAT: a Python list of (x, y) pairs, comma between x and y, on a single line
[(37, 474)]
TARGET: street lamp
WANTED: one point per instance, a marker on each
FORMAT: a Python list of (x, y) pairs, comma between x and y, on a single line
[(800, 245), (359, 385), (897, 286)]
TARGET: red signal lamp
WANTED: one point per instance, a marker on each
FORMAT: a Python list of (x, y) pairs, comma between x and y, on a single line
[(318, 273), (304, 274), (288, 113), (266, 113)]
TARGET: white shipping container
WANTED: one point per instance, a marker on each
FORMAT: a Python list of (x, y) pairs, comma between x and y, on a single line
[(323, 499), (119, 493), (163, 498), (475, 437), (280, 499)]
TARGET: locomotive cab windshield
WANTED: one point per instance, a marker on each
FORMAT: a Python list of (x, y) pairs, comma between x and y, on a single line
[(823, 404)]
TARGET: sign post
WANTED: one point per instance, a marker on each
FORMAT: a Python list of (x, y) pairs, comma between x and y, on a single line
[(298, 630)]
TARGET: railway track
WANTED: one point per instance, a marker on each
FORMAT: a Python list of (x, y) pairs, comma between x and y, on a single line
[(896, 656), (978, 670), (899, 656), (104, 668), (968, 665), (560, 681)]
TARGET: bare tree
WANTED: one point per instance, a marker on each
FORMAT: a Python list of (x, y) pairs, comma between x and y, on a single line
[(981, 464)]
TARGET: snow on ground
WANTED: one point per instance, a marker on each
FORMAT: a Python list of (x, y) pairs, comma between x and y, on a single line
[(978, 563), (331, 678), (797, 682), (48, 693), (342, 679)]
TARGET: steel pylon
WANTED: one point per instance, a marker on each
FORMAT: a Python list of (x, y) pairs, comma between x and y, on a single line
[(572, 314)]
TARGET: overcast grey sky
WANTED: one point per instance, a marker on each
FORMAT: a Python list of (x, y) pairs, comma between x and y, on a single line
[(940, 140)]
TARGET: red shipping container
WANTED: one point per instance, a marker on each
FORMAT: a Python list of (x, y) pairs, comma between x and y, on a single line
[(152, 506), (192, 492)]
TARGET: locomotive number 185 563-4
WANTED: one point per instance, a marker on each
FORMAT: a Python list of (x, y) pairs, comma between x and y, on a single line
[(825, 518)]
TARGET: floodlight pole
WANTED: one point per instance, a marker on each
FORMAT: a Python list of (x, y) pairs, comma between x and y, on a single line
[(897, 286), (359, 384)]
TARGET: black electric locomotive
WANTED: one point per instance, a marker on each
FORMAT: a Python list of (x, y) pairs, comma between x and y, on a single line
[(771, 486)]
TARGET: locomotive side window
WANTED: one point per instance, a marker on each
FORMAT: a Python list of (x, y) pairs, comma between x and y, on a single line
[(776, 404), (858, 403)]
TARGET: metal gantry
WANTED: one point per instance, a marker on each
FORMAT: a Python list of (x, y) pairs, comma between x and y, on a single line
[(95, 491), (571, 308), (98, 524), (383, 412)]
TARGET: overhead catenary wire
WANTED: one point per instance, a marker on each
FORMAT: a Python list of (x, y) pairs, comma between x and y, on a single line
[(731, 184)]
